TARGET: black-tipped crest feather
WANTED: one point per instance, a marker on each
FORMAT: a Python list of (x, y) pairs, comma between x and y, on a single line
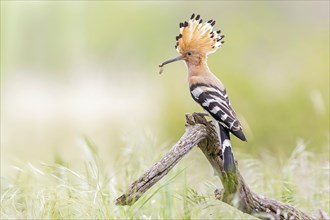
[(193, 36)]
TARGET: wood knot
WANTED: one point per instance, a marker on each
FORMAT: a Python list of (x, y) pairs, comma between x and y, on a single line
[(200, 118), (190, 120), (197, 118)]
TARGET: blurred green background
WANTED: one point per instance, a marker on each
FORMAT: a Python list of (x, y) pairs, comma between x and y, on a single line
[(90, 68)]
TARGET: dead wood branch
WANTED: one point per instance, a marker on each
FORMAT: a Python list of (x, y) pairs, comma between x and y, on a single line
[(192, 136), (236, 193)]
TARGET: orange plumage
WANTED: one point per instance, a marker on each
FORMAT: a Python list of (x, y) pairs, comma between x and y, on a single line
[(198, 36)]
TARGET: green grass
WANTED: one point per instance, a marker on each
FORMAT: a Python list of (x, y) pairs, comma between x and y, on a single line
[(54, 191)]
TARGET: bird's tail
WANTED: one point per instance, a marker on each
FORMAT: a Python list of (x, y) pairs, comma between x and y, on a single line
[(228, 157)]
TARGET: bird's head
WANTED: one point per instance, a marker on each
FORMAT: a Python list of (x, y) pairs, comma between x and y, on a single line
[(196, 40)]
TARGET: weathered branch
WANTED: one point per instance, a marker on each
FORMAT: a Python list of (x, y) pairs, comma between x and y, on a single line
[(192, 136), (236, 193)]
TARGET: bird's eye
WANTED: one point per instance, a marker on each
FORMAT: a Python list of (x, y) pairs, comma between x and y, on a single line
[(189, 53)]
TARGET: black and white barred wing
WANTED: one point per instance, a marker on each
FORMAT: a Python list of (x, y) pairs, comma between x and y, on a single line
[(216, 103)]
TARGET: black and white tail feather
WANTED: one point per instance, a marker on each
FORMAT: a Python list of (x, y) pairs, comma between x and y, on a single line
[(228, 157), (226, 148)]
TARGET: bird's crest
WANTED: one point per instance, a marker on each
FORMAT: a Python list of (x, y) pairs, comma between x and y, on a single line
[(198, 36)]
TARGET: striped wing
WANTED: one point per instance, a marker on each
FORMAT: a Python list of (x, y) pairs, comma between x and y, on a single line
[(216, 103)]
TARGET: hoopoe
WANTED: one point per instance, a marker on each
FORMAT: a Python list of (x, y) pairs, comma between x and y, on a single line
[(195, 42)]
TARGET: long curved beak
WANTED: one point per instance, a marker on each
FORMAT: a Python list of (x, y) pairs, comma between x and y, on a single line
[(169, 61)]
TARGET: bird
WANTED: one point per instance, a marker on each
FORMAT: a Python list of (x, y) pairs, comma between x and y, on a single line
[(196, 41)]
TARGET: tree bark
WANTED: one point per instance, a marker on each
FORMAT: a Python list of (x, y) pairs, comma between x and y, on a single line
[(236, 192)]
